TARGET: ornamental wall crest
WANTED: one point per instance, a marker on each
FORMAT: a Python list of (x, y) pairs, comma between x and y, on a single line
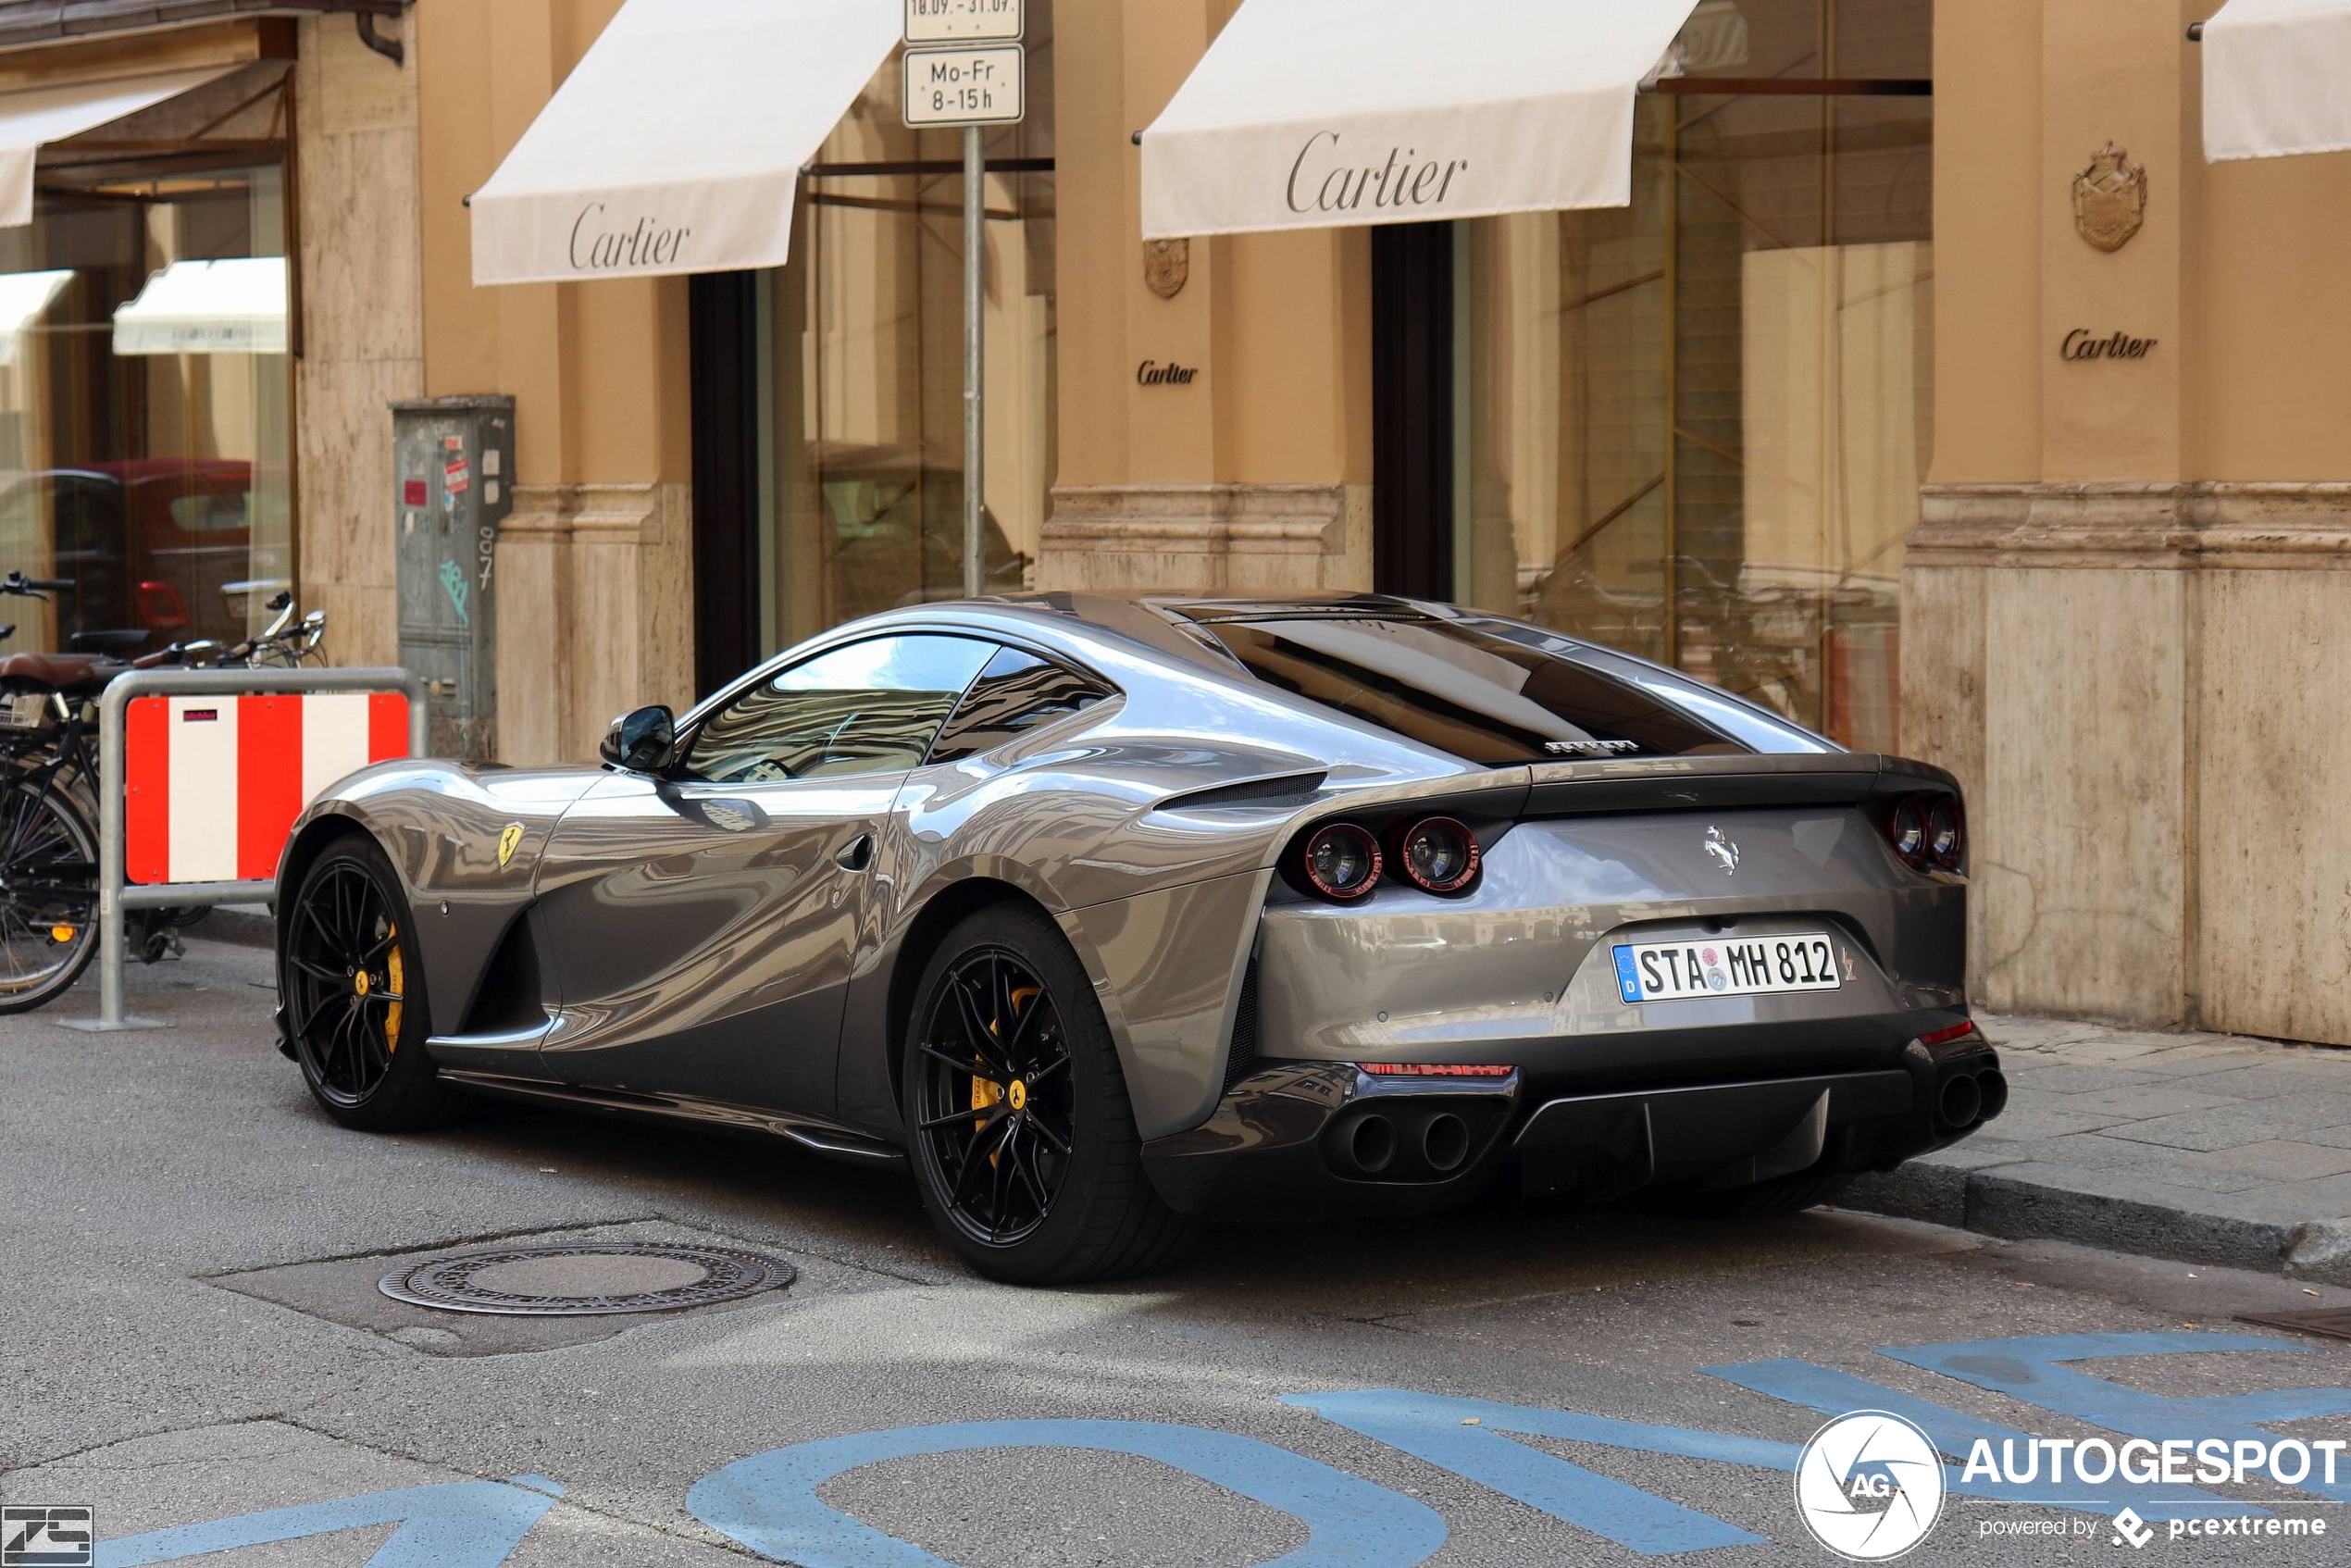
[(2110, 198), (1167, 264)]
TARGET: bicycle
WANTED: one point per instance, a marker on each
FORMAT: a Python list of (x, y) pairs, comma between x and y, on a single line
[(49, 794)]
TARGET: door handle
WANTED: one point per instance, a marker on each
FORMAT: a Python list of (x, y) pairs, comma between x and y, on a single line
[(856, 855)]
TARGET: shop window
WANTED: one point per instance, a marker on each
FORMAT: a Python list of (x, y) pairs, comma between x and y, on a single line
[(858, 360), (1696, 427), (144, 392)]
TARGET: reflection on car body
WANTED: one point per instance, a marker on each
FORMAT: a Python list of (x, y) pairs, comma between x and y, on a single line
[(1106, 916)]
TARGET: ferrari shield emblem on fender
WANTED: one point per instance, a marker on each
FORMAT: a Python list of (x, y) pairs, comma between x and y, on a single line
[(509, 839), (2110, 198)]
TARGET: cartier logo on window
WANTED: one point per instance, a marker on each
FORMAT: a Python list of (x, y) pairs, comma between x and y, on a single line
[(1152, 373)]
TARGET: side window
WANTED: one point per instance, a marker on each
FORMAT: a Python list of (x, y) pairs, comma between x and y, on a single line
[(870, 707), (1016, 692)]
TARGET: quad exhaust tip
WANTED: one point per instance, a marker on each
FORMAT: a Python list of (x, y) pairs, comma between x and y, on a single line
[(1370, 1143), (1961, 1103), (1969, 1099), (1445, 1143)]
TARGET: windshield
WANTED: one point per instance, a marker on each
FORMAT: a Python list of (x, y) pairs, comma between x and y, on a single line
[(1477, 692)]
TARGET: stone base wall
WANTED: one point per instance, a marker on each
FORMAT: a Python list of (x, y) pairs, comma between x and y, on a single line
[(1207, 539), (2140, 686)]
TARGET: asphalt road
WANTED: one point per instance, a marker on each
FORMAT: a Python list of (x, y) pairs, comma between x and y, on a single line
[(189, 1337)]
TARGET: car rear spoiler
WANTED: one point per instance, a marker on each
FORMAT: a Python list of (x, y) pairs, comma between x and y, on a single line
[(1840, 778)]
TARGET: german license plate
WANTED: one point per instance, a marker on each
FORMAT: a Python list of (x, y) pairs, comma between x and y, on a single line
[(1725, 966)]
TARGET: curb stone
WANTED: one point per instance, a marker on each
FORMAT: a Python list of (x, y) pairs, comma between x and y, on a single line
[(1997, 1194)]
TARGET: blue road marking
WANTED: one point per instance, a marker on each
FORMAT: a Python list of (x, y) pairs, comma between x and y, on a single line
[(769, 1504), (1839, 1393), (1429, 1426), (456, 1525), (2034, 1369)]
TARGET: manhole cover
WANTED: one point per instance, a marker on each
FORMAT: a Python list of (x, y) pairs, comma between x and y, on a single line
[(587, 1277)]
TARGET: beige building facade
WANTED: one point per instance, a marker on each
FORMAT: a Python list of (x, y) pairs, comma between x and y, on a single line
[(1856, 409)]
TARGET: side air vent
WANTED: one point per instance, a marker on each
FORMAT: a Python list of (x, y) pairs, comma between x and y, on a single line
[(511, 996), (1289, 788), (1240, 1057)]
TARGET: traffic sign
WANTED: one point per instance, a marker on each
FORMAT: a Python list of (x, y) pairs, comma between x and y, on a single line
[(963, 22), (982, 86)]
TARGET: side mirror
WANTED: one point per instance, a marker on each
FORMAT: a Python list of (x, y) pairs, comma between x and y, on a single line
[(641, 741)]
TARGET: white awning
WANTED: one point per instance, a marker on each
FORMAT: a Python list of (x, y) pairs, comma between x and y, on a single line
[(34, 117), (2274, 75), (676, 144), (25, 297), (234, 307), (1308, 114)]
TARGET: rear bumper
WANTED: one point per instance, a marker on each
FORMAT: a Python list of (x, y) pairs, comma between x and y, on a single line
[(1308, 1139)]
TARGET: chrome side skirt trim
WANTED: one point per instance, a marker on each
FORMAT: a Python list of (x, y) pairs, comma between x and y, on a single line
[(836, 1143)]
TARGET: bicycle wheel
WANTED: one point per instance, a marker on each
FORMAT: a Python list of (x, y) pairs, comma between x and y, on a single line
[(48, 894)]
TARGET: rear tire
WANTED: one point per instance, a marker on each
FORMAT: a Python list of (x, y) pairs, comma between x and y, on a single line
[(352, 980), (1025, 1145)]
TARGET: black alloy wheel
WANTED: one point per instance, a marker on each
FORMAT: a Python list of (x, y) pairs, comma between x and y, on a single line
[(995, 1102), (352, 989), (1024, 1142)]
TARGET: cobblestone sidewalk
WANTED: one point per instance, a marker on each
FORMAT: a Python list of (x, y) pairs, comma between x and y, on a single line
[(2211, 1147)]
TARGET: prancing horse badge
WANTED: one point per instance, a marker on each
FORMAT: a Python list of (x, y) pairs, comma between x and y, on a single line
[(509, 838)]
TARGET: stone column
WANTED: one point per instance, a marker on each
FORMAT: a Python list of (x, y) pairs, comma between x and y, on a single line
[(1215, 436)]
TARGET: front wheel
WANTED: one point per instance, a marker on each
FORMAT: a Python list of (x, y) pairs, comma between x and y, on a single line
[(1025, 1143), (48, 888), (352, 987)]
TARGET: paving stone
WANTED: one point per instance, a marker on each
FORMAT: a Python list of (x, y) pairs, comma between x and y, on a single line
[(2137, 1103), (2332, 1137), (2038, 1122), (2066, 1079), (2118, 1157), (2276, 1160), (2328, 1198), (2199, 1061), (2244, 1121), (2265, 1082)]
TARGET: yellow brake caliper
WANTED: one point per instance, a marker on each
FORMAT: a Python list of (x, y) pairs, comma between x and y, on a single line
[(988, 1091), (396, 973)]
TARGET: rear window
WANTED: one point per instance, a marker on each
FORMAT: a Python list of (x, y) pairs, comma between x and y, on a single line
[(1497, 694)]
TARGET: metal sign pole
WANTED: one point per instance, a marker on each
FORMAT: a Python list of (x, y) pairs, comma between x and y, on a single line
[(965, 65), (975, 357)]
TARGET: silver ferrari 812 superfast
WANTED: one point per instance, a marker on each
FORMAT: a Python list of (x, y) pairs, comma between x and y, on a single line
[(1105, 916)]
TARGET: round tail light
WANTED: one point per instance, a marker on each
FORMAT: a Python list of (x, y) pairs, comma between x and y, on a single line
[(1946, 833), (1341, 861), (1437, 854), (1907, 829)]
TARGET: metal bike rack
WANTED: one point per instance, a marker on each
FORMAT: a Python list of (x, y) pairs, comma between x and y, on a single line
[(116, 898)]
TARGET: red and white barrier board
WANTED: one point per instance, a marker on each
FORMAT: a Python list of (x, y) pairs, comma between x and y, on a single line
[(214, 784)]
